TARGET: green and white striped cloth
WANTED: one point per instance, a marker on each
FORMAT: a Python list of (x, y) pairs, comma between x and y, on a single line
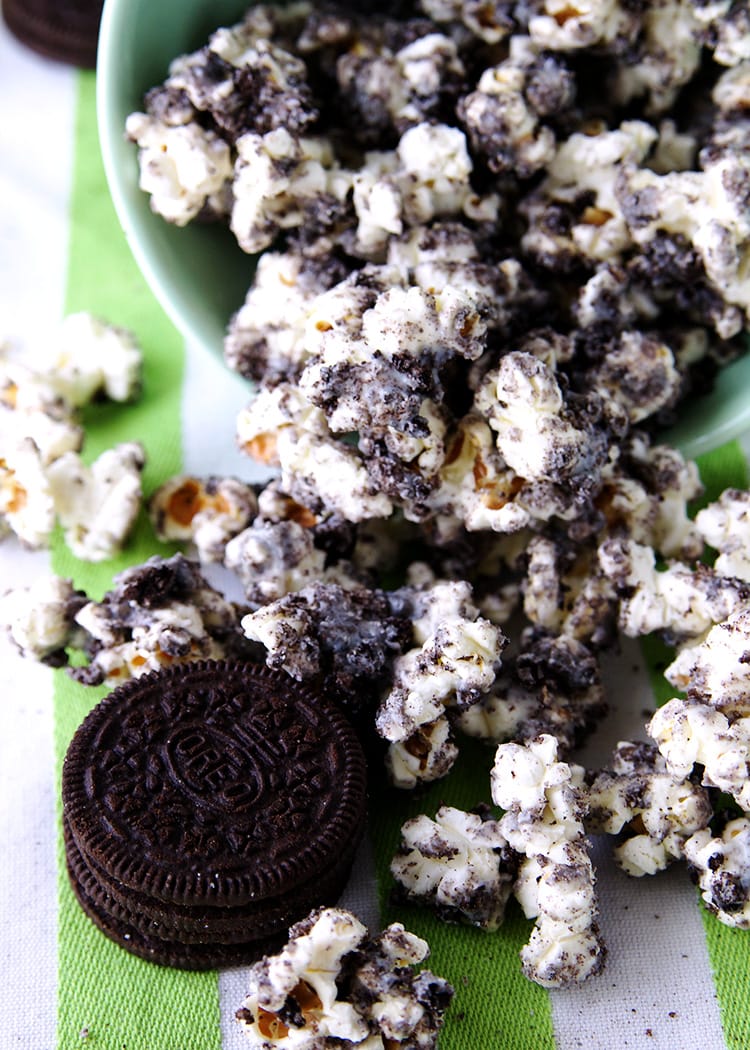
[(675, 978)]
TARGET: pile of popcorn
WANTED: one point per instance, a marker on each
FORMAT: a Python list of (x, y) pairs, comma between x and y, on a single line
[(502, 242)]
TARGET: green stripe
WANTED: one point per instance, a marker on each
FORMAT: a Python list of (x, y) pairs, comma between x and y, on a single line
[(728, 949), (108, 999), (494, 1005)]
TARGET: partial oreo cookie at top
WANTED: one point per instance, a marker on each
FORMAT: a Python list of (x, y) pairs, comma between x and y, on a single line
[(215, 784)]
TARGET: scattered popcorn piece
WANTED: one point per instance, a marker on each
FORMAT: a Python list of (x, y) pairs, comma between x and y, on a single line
[(725, 526), (273, 559), (720, 864), (346, 639), (207, 511), (27, 506), (89, 358), (157, 614), (545, 806), (97, 505), (657, 811), (690, 733), (458, 863), (455, 663), (715, 671), (552, 685), (681, 602), (332, 985), (428, 754), (40, 619)]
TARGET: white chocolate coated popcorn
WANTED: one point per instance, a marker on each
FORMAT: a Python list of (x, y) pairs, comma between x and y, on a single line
[(97, 505), (716, 670), (725, 526), (207, 511), (688, 732), (370, 1002), (458, 863), (40, 619), (184, 168), (545, 806), (639, 793), (720, 864)]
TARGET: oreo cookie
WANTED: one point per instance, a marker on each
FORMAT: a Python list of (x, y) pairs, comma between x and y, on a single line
[(66, 30), (207, 808)]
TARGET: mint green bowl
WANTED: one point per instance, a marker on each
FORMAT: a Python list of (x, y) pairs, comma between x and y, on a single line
[(198, 273)]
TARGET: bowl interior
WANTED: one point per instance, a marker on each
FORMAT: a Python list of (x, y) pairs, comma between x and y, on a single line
[(198, 273)]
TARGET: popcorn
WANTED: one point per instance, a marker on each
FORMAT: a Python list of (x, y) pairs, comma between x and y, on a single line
[(245, 81), (536, 432), (346, 639), (392, 91), (688, 732), (157, 614), (551, 686), (274, 559), (349, 989), (491, 22), (454, 665), (504, 115), (667, 56), (91, 359), (681, 602), (582, 186), (27, 507), (40, 619), (459, 863), (605, 23), (720, 863), (724, 525), (545, 806), (281, 182), (209, 512), (427, 754), (97, 505), (42, 476), (706, 211), (715, 670), (639, 793), (185, 169)]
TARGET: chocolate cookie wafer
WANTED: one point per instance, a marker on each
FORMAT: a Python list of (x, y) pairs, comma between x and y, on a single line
[(188, 924), (66, 30), (207, 807)]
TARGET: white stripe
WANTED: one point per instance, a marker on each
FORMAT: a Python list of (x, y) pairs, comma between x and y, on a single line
[(36, 137), (209, 448), (657, 990)]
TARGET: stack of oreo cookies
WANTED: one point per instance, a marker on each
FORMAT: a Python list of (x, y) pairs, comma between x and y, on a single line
[(208, 807), (66, 30)]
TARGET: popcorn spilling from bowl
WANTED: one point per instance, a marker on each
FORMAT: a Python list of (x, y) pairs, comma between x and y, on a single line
[(483, 293)]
